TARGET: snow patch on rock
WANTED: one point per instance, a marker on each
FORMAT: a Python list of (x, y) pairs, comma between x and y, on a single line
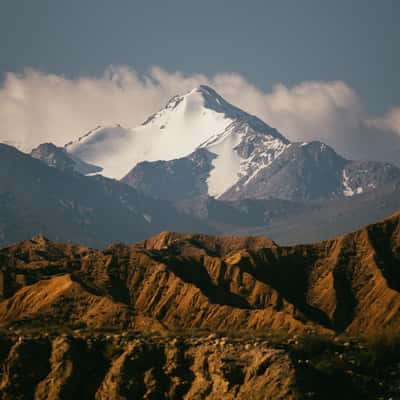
[(347, 191)]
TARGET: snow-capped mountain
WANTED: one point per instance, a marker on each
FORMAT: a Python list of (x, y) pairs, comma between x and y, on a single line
[(241, 143), (224, 170), (302, 172), (313, 171), (199, 144)]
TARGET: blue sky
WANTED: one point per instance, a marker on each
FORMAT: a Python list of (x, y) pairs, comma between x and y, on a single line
[(323, 70), (266, 42)]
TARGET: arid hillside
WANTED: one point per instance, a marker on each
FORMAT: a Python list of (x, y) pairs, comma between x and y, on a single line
[(176, 281), (182, 316), (126, 365)]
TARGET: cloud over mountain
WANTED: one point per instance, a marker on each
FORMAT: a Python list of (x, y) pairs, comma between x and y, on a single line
[(36, 107)]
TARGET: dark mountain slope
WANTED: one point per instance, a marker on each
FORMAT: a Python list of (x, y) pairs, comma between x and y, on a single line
[(68, 206), (58, 157), (173, 180)]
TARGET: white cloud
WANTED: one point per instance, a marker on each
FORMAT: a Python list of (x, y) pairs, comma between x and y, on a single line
[(37, 107), (390, 121)]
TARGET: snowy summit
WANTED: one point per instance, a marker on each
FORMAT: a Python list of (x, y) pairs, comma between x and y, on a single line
[(199, 144)]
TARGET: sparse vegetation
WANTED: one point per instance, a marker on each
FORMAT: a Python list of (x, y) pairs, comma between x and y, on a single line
[(380, 350)]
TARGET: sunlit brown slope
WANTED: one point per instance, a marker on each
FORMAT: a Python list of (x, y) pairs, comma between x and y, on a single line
[(176, 281)]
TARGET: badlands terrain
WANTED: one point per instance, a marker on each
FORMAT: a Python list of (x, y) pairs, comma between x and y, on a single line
[(197, 316)]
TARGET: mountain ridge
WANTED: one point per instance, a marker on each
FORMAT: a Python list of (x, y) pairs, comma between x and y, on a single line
[(196, 281), (67, 205), (199, 144), (230, 155), (57, 157)]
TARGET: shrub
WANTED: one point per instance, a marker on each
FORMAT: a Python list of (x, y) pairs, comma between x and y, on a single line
[(310, 346), (380, 350)]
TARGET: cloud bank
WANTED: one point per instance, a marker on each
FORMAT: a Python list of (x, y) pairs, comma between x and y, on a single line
[(37, 107)]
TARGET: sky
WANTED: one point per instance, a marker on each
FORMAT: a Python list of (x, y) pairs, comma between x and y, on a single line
[(317, 69)]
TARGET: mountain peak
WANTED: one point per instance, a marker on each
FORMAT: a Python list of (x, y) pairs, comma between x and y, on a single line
[(195, 101), (204, 96), (206, 91), (59, 158), (200, 118)]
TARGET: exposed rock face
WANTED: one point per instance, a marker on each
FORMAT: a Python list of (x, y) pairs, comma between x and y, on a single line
[(302, 172), (129, 365), (202, 282), (173, 180), (125, 368), (57, 157), (313, 171)]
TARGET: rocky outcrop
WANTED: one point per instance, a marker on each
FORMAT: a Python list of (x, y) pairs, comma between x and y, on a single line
[(130, 365), (173, 180), (183, 281), (57, 157), (124, 365)]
